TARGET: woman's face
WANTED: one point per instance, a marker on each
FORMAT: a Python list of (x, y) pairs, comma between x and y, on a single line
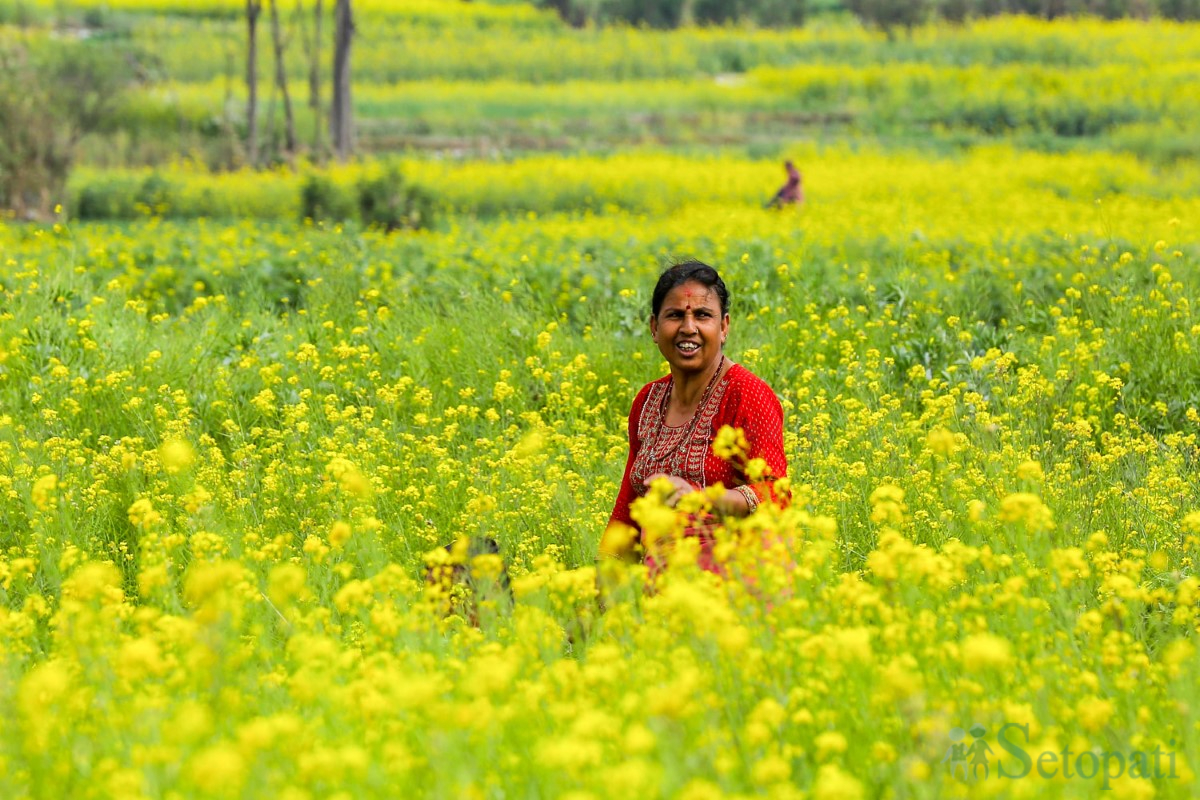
[(690, 327)]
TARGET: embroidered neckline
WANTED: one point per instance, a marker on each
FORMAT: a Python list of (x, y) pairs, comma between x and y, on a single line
[(666, 400), (676, 450)]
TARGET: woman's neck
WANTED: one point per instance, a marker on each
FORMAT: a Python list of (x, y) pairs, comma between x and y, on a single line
[(689, 387)]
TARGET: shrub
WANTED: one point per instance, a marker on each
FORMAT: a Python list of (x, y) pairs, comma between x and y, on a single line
[(323, 200), (125, 197), (51, 95), (387, 200), (103, 199)]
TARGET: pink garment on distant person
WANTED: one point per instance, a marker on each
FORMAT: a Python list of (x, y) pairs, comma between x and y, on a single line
[(791, 193)]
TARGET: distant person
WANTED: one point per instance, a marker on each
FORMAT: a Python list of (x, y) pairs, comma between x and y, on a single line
[(791, 193)]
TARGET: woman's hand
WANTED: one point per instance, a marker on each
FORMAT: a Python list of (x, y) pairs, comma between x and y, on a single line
[(682, 487)]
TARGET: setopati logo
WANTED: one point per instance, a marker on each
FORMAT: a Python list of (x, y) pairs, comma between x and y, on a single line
[(971, 758)]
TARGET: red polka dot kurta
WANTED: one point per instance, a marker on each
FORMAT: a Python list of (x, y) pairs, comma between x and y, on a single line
[(739, 399)]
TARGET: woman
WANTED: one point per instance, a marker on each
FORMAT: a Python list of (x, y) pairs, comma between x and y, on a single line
[(675, 419)]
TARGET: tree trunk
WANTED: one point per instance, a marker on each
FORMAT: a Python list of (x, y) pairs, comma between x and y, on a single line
[(289, 122), (341, 124), (230, 140), (271, 145), (314, 75), (312, 52), (253, 9)]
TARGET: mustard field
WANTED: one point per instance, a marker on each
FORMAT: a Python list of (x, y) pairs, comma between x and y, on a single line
[(234, 440), (228, 448)]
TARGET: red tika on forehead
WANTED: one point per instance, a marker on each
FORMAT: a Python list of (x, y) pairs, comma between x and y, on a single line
[(694, 295)]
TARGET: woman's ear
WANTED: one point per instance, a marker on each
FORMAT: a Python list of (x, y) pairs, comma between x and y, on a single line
[(653, 327)]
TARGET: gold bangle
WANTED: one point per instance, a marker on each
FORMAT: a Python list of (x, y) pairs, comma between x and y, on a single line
[(749, 495)]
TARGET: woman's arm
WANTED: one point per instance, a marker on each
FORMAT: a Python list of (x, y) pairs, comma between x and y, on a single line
[(732, 503), (760, 416)]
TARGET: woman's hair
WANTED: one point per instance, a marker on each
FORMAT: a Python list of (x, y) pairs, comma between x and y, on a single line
[(689, 272)]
